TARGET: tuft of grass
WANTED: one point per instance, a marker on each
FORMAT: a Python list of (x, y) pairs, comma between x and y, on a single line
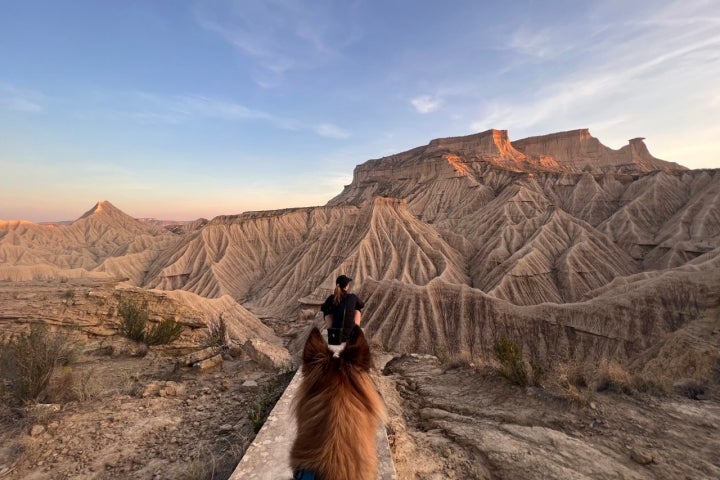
[(216, 335), (68, 294), (509, 353), (202, 467), (28, 361), (267, 399)]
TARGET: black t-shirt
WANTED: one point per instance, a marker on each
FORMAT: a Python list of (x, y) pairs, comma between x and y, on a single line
[(344, 313)]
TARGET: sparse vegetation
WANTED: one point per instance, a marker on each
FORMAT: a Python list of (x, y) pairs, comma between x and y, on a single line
[(134, 325), (690, 388), (134, 320), (509, 353), (203, 467), (68, 294), (611, 376), (217, 333), (267, 399), (167, 331), (28, 361)]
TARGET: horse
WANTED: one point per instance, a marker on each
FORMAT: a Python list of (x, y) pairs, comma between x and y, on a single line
[(337, 410)]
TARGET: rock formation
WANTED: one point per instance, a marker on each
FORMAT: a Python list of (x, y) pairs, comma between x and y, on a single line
[(584, 249)]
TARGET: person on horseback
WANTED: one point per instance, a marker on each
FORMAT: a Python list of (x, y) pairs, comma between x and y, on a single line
[(342, 310)]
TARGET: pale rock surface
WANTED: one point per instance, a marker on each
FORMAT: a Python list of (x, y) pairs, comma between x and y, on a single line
[(268, 355)]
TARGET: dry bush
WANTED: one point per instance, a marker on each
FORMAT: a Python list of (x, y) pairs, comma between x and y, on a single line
[(509, 353), (455, 360), (577, 396), (202, 467), (690, 388), (570, 377), (611, 376), (71, 384), (216, 335), (28, 361)]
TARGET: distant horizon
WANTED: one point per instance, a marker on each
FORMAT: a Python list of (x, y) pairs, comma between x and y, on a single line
[(200, 108), (188, 219), (210, 217)]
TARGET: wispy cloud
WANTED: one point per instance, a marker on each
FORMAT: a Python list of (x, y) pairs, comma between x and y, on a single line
[(426, 103), (158, 109), (542, 43), (20, 99), (633, 68), (331, 131), (281, 35)]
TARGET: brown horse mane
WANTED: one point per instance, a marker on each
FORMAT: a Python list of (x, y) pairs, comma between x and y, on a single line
[(337, 409)]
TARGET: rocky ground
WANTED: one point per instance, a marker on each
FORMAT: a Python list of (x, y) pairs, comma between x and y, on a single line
[(121, 410), (156, 423), (465, 422)]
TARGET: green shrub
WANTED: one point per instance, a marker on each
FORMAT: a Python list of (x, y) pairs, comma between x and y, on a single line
[(28, 360), (134, 325), (509, 353), (167, 331), (217, 333), (134, 320)]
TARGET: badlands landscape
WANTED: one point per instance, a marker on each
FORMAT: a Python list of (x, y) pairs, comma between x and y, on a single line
[(599, 268)]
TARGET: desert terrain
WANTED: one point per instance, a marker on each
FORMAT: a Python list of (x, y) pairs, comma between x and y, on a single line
[(598, 270)]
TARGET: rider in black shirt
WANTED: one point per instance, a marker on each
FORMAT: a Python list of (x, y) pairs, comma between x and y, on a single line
[(342, 309)]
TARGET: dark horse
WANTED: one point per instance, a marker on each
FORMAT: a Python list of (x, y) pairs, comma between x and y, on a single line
[(337, 409)]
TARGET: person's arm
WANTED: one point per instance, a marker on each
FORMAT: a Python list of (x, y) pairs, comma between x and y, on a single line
[(359, 304), (326, 309)]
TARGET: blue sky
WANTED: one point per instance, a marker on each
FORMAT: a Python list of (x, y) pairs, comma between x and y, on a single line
[(184, 109)]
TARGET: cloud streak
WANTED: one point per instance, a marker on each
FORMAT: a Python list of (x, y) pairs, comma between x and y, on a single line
[(155, 109), (632, 69), (20, 99), (281, 35)]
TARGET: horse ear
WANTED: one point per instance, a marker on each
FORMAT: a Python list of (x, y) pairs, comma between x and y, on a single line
[(357, 350), (316, 350)]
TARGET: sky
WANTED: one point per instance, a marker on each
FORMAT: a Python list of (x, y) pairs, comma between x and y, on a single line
[(185, 109)]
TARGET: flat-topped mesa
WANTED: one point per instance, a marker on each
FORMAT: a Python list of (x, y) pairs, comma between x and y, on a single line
[(578, 151), (441, 156), (490, 143)]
